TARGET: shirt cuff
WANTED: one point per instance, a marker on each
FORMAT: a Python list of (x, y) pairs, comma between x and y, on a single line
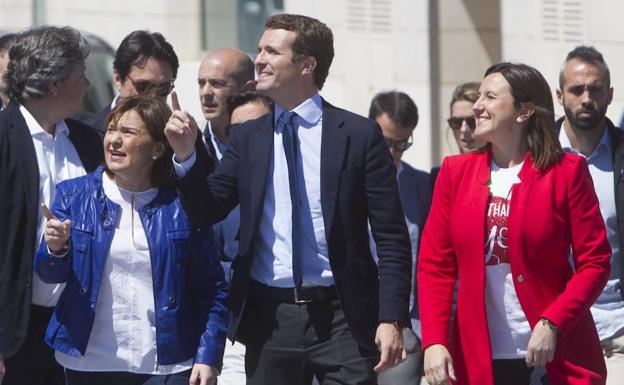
[(181, 169), (63, 255)]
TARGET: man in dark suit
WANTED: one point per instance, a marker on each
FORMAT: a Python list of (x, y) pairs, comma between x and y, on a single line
[(397, 116), (38, 148), (144, 62), (307, 298)]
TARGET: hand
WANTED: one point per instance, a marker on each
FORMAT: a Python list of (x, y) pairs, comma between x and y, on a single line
[(541, 349), (181, 131), (56, 233), (203, 374), (2, 368), (438, 365), (389, 341)]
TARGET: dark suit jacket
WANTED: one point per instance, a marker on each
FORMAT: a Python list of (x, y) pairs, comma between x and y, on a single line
[(358, 183), (415, 191), (19, 189), (97, 120)]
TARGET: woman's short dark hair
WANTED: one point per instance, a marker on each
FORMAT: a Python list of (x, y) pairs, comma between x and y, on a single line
[(154, 113), (528, 87), (312, 38), (42, 55)]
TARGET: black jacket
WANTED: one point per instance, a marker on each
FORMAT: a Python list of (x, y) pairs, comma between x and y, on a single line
[(358, 183), (19, 192)]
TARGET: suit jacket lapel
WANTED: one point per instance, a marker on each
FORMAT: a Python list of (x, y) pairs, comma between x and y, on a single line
[(520, 194), (26, 151), (333, 147)]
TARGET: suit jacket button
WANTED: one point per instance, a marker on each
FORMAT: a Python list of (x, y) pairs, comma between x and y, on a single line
[(83, 290), (520, 278)]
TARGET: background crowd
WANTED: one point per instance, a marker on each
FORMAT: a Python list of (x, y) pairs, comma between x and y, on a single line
[(293, 226)]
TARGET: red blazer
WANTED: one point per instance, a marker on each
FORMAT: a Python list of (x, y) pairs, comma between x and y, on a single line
[(551, 212)]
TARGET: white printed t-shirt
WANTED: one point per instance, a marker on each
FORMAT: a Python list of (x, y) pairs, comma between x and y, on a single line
[(508, 327)]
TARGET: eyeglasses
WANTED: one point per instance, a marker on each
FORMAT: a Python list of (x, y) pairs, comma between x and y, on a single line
[(145, 86), (399, 145), (456, 123)]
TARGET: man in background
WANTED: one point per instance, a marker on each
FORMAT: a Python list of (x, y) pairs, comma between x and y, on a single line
[(144, 62), (397, 115), (585, 92)]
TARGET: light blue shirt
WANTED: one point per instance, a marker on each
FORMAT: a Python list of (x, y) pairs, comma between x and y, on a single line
[(272, 263), (608, 310)]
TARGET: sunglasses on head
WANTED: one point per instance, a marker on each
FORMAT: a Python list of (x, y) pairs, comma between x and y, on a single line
[(145, 86), (399, 145), (456, 123)]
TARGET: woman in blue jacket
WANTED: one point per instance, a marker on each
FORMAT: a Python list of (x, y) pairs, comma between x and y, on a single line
[(145, 296)]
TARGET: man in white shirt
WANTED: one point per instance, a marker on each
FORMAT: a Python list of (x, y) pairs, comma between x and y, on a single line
[(585, 93), (39, 147)]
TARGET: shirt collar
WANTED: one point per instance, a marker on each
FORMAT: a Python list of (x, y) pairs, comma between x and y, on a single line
[(311, 110), (604, 145), (35, 128)]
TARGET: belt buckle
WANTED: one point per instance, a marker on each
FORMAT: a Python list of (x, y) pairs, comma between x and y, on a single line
[(300, 301)]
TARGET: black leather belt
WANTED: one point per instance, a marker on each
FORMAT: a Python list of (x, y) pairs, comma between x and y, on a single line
[(292, 294)]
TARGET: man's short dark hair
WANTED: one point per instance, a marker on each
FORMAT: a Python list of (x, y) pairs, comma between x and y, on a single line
[(237, 100), (313, 38), (400, 108), (6, 41), (586, 54), (141, 45)]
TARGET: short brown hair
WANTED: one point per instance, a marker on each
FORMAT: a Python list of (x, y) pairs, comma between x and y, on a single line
[(313, 38), (528, 86), (154, 113)]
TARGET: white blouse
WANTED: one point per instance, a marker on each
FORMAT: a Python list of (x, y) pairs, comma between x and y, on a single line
[(123, 337)]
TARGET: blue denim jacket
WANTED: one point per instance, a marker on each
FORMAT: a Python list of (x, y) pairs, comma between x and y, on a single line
[(190, 293)]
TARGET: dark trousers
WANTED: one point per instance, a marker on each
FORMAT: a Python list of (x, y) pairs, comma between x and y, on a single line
[(288, 344), (75, 377), (34, 363), (511, 372)]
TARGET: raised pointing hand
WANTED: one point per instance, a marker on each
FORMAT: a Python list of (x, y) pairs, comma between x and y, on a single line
[(181, 131), (56, 233)]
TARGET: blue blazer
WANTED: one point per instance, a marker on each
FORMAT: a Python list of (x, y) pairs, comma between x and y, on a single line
[(358, 183), (190, 292)]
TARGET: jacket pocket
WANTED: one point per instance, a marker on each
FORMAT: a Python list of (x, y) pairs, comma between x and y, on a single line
[(180, 244)]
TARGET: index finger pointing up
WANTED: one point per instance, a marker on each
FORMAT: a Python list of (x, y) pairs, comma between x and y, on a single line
[(174, 101), (46, 212)]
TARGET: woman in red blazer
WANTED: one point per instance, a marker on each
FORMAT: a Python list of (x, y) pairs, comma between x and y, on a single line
[(519, 225)]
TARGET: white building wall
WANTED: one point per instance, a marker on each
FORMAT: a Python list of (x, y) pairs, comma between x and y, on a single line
[(542, 32), (380, 45)]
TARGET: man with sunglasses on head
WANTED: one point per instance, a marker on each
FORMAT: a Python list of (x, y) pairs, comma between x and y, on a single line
[(144, 62), (397, 115)]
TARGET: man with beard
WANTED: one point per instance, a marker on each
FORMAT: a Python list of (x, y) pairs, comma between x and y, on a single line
[(585, 93)]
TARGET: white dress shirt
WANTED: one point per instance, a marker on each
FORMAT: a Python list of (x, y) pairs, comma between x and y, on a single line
[(123, 337), (57, 160)]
